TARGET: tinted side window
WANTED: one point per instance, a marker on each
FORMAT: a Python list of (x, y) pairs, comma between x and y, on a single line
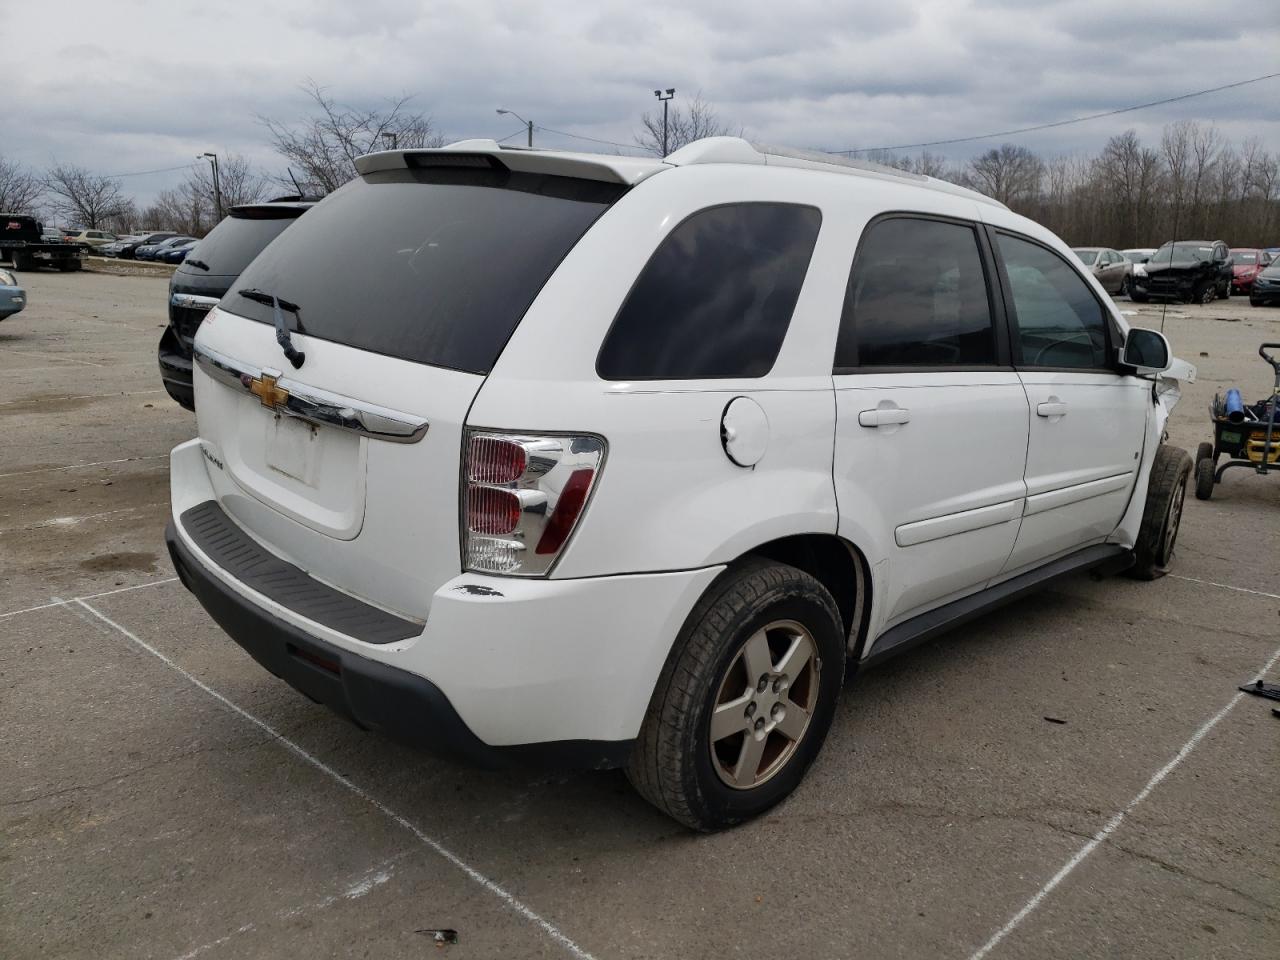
[(1058, 321), (917, 296), (716, 298)]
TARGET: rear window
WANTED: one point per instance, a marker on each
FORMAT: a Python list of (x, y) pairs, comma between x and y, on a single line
[(434, 265), (232, 244), (715, 300)]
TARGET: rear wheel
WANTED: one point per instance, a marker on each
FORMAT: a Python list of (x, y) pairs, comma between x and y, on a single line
[(1205, 293), (1162, 515), (745, 699), (1124, 287), (1204, 479)]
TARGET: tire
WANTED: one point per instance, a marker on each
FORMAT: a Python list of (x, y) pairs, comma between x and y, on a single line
[(1255, 302), (1124, 287), (1226, 291), (1137, 297), (1204, 479), (1162, 514), (1205, 294), (675, 763), (1204, 452)]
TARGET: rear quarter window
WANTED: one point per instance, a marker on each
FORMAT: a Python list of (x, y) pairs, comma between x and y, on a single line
[(715, 299)]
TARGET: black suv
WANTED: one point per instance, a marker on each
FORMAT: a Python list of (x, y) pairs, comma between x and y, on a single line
[(1193, 271), (208, 272)]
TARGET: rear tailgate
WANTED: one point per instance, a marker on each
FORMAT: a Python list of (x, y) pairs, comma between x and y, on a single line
[(401, 290)]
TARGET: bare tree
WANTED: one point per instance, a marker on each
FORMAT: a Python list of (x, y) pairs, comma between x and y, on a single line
[(1007, 173), (685, 124), (19, 188), (325, 145), (84, 198), (191, 208)]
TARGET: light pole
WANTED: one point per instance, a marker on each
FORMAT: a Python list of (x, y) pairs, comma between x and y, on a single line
[(217, 186), (528, 123), (664, 97)]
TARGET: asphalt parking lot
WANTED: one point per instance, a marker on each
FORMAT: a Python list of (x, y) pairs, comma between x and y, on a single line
[(162, 796)]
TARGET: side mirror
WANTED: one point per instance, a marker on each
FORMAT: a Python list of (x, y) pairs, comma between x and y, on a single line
[(1146, 352)]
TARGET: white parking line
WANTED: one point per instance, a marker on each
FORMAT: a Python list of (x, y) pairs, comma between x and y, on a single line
[(81, 396), (498, 891), (91, 596), (1114, 823), (54, 356), (77, 466), (1225, 586)]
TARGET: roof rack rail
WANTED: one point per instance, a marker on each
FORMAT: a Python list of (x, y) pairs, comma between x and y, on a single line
[(739, 150)]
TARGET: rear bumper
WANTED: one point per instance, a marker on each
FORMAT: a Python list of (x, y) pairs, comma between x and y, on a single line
[(550, 672), (175, 370), (373, 695)]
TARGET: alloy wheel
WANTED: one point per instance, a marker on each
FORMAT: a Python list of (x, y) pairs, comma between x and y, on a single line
[(763, 706)]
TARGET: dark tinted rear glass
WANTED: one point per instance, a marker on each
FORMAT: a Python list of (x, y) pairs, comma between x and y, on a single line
[(917, 296), (232, 244), (433, 265), (716, 298)]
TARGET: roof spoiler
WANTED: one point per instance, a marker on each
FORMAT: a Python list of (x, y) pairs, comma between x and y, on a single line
[(627, 171)]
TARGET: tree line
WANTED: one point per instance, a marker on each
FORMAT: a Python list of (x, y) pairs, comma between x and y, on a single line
[(1194, 183)]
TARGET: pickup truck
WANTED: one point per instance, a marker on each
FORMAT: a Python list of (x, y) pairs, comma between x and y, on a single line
[(22, 244)]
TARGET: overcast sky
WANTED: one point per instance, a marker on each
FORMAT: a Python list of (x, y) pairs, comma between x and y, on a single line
[(134, 85)]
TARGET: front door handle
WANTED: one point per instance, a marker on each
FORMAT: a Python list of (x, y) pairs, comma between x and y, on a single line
[(883, 416), (1053, 407)]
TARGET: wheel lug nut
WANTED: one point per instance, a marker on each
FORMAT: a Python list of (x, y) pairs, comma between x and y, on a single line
[(751, 709), (763, 685), (760, 723)]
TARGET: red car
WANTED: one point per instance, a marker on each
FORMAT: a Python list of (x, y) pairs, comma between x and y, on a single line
[(1245, 265)]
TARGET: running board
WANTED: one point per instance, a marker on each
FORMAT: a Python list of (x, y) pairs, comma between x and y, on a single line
[(913, 632)]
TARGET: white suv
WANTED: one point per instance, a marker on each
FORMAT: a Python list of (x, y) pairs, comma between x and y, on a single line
[(599, 461)]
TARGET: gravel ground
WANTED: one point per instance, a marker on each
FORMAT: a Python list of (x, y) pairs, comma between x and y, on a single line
[(162, 796)]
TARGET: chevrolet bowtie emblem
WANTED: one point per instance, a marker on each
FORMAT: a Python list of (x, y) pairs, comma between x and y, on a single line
[(265, 389)]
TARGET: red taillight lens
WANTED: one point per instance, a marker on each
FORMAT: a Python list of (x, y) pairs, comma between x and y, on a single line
[(572, 498), (490, 510), (492, 460), (523, 494)]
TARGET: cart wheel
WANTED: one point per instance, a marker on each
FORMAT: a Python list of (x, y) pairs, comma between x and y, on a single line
[(1162, 515), (1204, 479), (1204, 452)]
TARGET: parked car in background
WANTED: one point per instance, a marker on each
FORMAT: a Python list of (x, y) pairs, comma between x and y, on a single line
[(1111, 267), (113, 248), (1139, 256), (92, 238), (153, 251), (1247, 263), (1191, 271), (13, 299), (129, 250), (207, 273), (177, 252), (1266, 285), (891, 403), (53, 234)]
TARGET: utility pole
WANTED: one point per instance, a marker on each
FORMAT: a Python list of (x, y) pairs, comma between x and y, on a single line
[(528, 123), (665, 98), (217, 185)]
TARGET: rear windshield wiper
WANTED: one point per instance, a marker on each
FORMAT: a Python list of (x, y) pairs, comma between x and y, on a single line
[(283, 336), (196, 263)]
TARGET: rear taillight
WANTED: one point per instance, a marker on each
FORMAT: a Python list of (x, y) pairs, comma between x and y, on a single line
[(523, 495)]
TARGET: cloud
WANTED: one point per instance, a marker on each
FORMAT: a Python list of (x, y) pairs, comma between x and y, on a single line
[(137, 85)]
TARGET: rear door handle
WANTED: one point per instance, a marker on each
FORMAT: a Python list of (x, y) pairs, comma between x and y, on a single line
[(1051, 408), (883, 416)]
